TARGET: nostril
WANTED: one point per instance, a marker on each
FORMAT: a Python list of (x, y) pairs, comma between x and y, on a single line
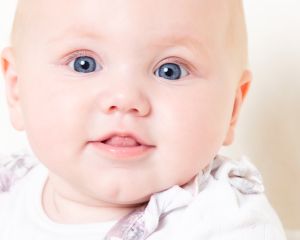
[(113, 108), (134, 110)]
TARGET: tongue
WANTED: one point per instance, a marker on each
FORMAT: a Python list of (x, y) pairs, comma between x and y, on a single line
[(118, 141)]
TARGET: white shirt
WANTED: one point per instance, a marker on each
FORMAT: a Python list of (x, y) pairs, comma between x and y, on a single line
[(226, 203)]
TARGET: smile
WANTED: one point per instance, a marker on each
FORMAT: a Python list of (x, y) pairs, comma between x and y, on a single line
[(126, 148)]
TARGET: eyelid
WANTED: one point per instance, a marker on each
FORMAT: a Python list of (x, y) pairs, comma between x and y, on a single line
[(177, 61), (78, 53), (68, 59)]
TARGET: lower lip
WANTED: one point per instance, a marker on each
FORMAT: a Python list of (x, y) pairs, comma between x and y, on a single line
[(122, 153)]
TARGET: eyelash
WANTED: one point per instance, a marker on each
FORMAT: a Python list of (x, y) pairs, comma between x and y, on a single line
[(87, 53), (176, 61), (81, 53)]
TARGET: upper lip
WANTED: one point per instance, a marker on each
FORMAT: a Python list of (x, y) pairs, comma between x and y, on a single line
[(140, 140)]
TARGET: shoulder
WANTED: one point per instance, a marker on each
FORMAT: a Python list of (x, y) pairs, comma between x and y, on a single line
[(13, 168), (16, 173), (13, 171), (233, 203)]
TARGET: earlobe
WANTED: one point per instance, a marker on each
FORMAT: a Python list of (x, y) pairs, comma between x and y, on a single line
[(242, 90), (12, 88)]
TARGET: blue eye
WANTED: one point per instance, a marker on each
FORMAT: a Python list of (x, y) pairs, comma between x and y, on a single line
[(84, 64), (171, 71)]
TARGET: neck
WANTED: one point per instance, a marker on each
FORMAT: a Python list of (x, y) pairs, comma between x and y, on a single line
[(64, 210)]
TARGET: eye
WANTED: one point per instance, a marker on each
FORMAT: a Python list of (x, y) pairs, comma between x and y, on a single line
[(171, 71), (84, 64)]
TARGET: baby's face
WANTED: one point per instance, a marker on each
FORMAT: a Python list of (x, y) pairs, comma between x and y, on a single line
[(157, 69)]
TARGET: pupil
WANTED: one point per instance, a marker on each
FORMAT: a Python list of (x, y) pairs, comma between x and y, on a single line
[(84, 64), (168, 71)]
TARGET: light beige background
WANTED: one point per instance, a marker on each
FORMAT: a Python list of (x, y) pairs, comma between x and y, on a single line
[(269, 126), (269, 129)]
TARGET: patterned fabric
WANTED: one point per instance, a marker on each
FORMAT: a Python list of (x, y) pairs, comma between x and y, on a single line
[(131, 227), (139, 224), (242, 174), (142, 222), (13, 168)]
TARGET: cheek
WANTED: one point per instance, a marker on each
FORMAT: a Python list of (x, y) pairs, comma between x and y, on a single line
[(194, 125), (53, 120)]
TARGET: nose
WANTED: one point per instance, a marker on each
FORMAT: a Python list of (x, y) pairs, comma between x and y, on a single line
[(125, 100)]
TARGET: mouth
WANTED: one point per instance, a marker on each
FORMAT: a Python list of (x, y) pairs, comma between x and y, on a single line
[(122, 146), (119, 141)]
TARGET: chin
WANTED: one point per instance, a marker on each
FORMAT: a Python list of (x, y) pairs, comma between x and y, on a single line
[(130, 200), (124, 198)]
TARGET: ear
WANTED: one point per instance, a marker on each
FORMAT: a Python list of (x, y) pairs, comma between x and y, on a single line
[(241, 93), (12, 88)]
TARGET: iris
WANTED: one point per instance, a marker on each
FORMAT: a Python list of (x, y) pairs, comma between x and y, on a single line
[(170, 71), (85, 64)]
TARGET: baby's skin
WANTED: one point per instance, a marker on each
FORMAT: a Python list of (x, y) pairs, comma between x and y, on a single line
[(123, 99)]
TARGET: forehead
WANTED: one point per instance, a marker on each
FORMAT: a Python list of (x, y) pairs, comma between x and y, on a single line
[(160, 20)]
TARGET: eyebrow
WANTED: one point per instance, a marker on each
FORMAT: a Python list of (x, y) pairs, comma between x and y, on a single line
[(181, 40), (173, 39), (76, 31)]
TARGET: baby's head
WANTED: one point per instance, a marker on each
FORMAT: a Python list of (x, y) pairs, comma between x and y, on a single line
[(170, 73)]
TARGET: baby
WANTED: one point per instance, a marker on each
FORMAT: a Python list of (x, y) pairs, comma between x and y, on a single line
[(126, 105)]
